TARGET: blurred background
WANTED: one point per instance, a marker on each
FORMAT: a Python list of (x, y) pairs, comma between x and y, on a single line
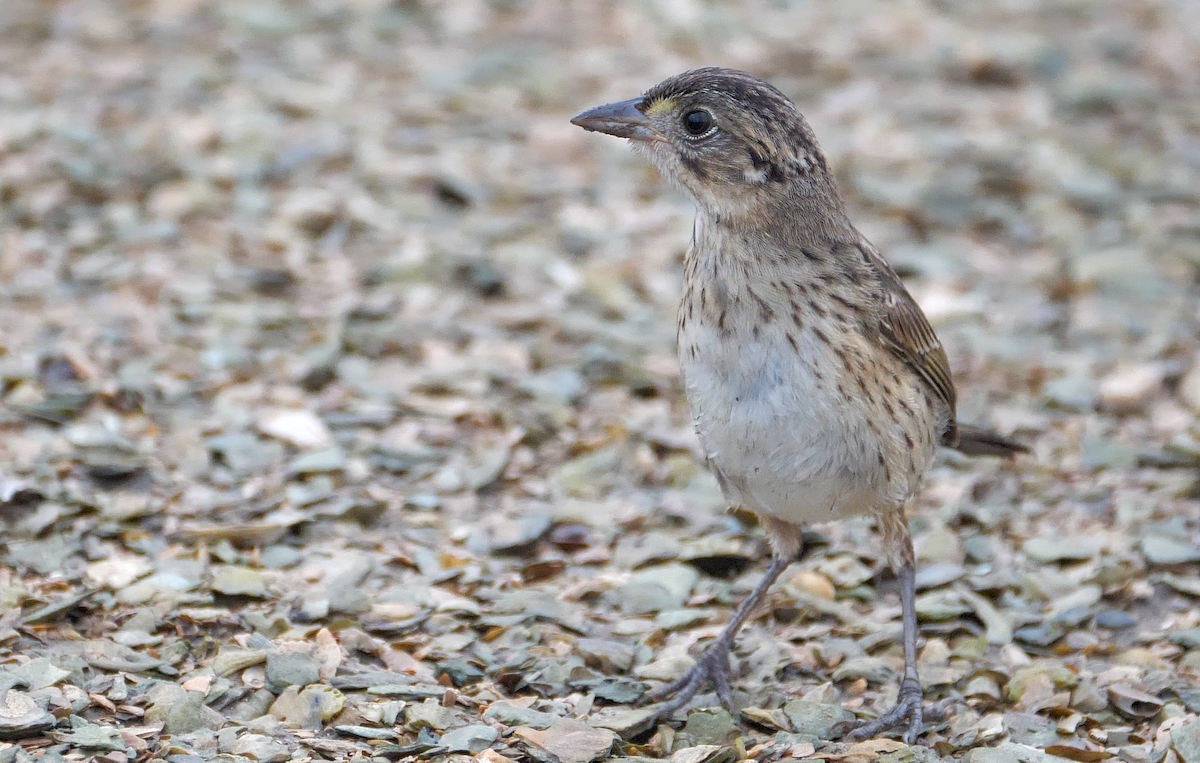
[(322, 315)]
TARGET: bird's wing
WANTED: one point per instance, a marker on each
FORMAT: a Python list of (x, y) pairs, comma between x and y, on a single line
[(907, 332)]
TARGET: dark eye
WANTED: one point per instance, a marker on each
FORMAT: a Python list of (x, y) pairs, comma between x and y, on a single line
[(697, 122)]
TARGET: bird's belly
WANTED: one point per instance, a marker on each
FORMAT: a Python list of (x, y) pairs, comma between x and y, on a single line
[(779, 430)]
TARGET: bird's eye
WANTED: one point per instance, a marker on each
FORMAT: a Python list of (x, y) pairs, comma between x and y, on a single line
[(697, 122)]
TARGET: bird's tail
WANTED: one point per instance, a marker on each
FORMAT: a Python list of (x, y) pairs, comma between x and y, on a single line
[(975, 441)]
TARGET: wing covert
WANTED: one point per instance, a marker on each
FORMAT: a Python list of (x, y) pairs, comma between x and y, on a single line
[(908, 334)]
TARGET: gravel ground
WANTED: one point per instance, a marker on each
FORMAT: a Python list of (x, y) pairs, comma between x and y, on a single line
[(342, 419)]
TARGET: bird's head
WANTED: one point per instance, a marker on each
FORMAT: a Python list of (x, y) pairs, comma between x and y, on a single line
[(731, 140)]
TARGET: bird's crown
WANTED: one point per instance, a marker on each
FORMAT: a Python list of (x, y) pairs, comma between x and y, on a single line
[(734, 107)]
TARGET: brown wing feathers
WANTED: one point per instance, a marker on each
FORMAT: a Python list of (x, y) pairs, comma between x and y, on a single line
[(907, 333)]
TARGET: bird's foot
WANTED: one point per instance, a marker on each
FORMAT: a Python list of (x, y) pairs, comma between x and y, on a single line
[(909, 713), (712, 668)]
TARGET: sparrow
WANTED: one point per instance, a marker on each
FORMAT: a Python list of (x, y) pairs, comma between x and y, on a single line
[(817, 387)]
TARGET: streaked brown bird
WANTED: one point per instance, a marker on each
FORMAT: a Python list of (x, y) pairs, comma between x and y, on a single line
[(817, 386)]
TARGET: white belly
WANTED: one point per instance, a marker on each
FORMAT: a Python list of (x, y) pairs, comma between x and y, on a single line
[(777, 431)]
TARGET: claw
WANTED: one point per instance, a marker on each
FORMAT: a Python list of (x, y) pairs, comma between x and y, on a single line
[(720, 682), (909, 713), (712, 667)]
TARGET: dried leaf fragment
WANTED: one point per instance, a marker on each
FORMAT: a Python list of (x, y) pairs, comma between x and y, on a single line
[(1131, 702)]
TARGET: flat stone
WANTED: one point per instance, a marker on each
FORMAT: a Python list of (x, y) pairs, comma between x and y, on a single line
[(300, 428), (1160, 550), (1185, 585), (938, 574), (39, 673), (162, 697), (471, 740), (627, 722), (21, 716), (939, 546), (1190, 697), (12, 596), (773, 719), (1106, 453), (571, 741), (431, 714), (612, 688), (309, 706), (310, 209), (1189, 388), (1031, 729), (1040, 635), (232, 659), (512, 713), (286, 669), (658, 588), (1059, 675), (118, 571), (279, 557), (261, 748), (1115, 619), (1188, 638), (514, 536), (1130, 388), (250, 707), (311, 491), (636, 550), (678, 619), (1073, 392), (979, 549), (93, 737), (940, 605), (366, 732), (190, 714), (607, 656), (1077, 548), (815, 718), (873, 669), (1186, 740), (559, 385), (844, 570), (163, 585), (590, 475), (319, 461), (710, 726), (982, 686), (1087, 698), (999, 629), (243, 453), (704, 753), (1006, 752), (641, 598), (484, 467), (530, 603), (232, 580), (670, 665)]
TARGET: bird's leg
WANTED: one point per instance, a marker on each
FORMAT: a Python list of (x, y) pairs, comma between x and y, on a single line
[(713, 665), (908, 712)]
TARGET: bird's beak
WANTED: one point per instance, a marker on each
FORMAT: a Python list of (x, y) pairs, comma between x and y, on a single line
[(623, 119)]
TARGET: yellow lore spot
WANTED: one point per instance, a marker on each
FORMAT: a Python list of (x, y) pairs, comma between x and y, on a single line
[(659, 106)]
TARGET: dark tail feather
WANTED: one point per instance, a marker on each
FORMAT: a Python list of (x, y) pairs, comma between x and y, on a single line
[(974, 441)]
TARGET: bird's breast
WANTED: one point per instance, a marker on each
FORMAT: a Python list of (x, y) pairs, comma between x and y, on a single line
[(789, 403)]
